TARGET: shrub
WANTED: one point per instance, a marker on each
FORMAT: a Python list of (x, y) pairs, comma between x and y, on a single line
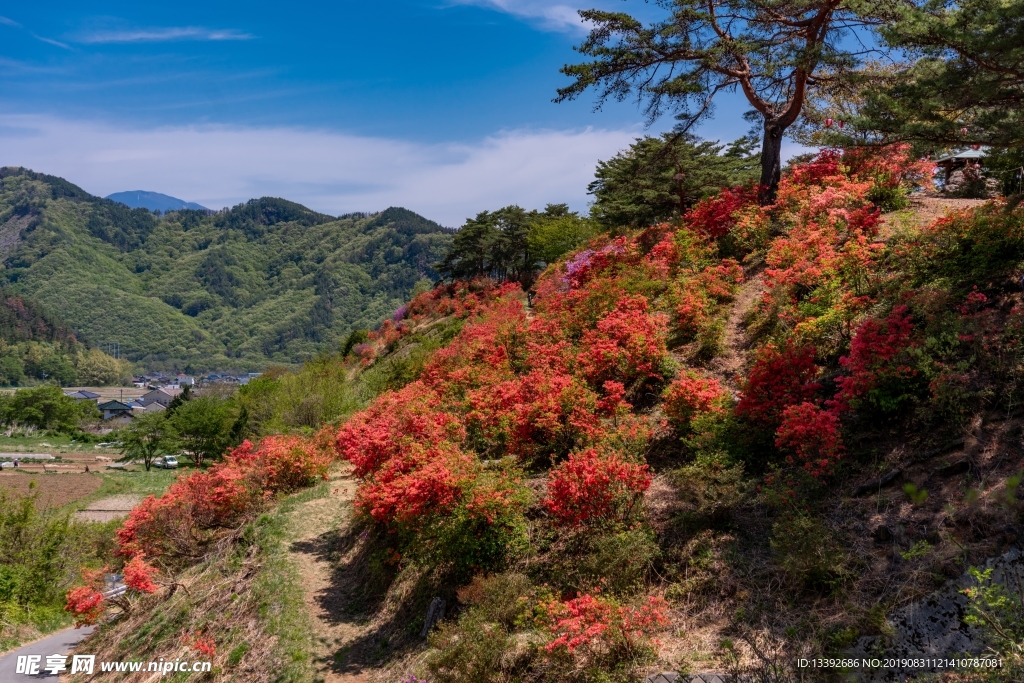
[(593, 487), (597, 634), (877, 369), (691, 395), (628, 344), (809, 554), (782, 376), (812, 435), (617, 562)]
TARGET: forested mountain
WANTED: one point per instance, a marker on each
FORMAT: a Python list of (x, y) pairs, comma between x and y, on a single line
[(267, 281)]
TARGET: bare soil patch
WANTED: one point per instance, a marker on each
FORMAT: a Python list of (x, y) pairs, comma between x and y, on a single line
[(53, 490)]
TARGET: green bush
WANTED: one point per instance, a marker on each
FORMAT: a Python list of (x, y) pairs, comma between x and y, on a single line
[(46, 407), (41, 552), (810, 554), (483, 645)]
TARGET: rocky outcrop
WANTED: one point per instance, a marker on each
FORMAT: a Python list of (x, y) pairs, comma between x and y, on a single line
[(934, 627)]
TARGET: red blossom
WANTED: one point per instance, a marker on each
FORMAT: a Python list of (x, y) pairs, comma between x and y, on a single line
[(591, 486)]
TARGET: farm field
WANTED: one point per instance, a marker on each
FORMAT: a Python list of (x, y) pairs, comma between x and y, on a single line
[(53, 490), (110, 490)]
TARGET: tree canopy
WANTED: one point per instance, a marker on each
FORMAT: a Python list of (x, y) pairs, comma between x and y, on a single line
[(966, 85), (661, 177), (774, 52), (510, 243)]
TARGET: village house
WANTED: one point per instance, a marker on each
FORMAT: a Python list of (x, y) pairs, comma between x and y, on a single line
[(115, 409), (163, 396)]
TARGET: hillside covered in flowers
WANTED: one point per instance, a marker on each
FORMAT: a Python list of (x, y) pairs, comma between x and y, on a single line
[(715, 444), (626, 458)]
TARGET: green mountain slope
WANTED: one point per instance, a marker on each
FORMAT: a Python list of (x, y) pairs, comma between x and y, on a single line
[(267, 282)]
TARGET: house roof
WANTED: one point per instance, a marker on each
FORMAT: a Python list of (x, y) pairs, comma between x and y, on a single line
[(114, 405), (969, 154), (89, 395)]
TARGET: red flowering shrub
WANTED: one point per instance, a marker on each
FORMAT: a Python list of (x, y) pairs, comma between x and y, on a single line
[(713, 216), (138, 575), (591, 487), (594, 629), (280, 463), (692, 395), (423, 481), (375, 435), (780, 377), (534, 415), (85, 602), (812, 434), (178, 523), (627, 345), (873, 366)]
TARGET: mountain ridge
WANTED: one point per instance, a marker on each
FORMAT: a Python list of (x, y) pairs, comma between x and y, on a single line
[(154, 201), (266, 282)]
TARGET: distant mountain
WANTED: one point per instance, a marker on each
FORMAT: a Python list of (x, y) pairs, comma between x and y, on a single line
[(268, 281), (154, 201)]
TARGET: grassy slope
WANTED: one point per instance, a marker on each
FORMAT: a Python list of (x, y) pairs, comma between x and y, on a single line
[(211, 291)]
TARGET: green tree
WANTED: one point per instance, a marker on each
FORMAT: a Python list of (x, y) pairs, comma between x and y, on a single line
[(968, 74), (146, 437), (204, 426), (659, 178), (772, 51), (472, 251), (46, 407), (557, 231)]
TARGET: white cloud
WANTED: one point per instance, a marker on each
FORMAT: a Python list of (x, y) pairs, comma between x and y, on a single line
[(156, 35), (331, 172), (9, 22), (557, 17)]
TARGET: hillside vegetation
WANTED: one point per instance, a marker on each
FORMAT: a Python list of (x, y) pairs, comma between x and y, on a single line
[(267, 281), (652, 466)]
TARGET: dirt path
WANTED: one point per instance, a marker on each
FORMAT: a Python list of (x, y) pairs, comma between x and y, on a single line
[(735, 355), (319, 532)]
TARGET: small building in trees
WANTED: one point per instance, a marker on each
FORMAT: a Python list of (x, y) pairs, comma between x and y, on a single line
[(115, 409), (960, 160), (163, 396)]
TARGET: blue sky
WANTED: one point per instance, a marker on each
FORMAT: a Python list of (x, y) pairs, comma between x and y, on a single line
[(443, 106)]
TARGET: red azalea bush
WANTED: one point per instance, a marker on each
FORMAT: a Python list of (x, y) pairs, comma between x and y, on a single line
[(592, 487), (422, 481), (179, 522), (812, 435), (874, 365), (138, 575), (782, 376), (691, 395), (381, 432), (85, 602), (628, 344), (713, 216), (592, 627)]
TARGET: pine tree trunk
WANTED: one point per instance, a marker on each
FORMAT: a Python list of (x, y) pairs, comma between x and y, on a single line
[(771, 162)]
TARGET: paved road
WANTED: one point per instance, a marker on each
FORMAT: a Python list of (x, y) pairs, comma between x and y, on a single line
[(60, 643)]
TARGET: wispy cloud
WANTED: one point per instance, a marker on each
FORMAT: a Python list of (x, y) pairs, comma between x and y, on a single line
[(158, 35), (552, 16), (328, 171), (51, 41), (11, 22)]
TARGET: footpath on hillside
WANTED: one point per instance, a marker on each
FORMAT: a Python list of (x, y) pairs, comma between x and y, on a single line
[(325, 549)]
